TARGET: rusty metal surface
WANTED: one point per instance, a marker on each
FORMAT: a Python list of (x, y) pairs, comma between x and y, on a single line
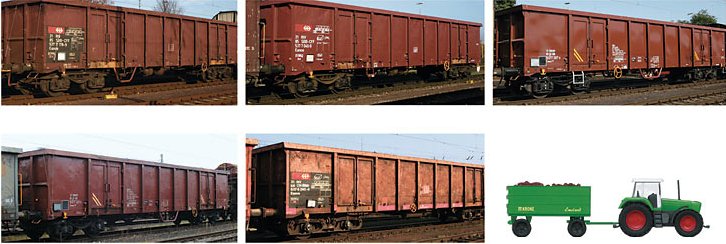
[(309, 36), (587, 41), (115, 186), (36, 32), (295, 177)]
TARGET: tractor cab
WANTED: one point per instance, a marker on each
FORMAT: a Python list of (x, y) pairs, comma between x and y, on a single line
[(648, 189)]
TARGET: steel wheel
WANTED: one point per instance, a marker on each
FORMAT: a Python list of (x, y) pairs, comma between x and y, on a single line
[(689, 223), (521, 228), (34, 234), (635, 220), (47, 91)]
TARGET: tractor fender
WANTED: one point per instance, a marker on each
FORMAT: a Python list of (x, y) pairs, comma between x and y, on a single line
[(635, 200)]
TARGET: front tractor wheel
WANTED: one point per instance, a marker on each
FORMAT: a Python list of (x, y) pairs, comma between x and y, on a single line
[(635, 220), (689, 223), (576, 227), (521, 228)]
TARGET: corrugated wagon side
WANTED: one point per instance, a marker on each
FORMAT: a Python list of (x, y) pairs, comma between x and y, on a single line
[(311, 189), (50, 45), (66, 190)]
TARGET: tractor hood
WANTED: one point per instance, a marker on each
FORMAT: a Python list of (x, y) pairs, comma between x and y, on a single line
[(675, 204)]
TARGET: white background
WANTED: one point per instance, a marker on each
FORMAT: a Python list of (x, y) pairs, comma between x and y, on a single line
[(601, 146)]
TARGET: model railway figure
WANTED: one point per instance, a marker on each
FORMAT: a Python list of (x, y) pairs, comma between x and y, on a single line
[(640, 212), (542, 49), (300, 46), (61, 192), (52, 47), (299, 190)]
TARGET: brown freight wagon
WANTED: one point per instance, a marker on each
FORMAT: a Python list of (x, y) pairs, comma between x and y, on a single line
[(541, 47), (250, 144), (63, 191), (305, 189), (51, 45), (324, 44)]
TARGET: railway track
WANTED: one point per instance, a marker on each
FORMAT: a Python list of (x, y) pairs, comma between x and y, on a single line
[(223, 235), (634, 95), (428, 232), (389, 93), (148, 94)]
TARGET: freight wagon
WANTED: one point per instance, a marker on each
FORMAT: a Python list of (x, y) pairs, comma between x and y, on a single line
[(52, 46), (10, 194), (306, 46), (232, 182), (540, 49), (303, 189), (65, 191), (640, 212), (250, 144)]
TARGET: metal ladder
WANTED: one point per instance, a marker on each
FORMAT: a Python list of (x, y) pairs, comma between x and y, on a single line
[(581, 75), (658, 219)]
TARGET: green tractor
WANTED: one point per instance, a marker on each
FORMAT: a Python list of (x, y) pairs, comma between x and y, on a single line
[(646, 209)]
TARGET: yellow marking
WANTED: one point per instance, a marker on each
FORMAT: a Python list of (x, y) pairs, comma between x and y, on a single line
[(95, 199), (202, 198), (577, 55), (695, 54)]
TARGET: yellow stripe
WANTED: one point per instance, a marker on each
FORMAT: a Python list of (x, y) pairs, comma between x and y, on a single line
[(577, 55), (95, 199), (695, 54)]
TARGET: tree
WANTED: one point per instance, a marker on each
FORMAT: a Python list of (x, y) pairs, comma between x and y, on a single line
[(168, 6), (504, 4), (700, 18), (107, 2)]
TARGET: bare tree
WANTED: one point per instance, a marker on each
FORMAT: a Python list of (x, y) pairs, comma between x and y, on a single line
[(169, 6), (107, 2)]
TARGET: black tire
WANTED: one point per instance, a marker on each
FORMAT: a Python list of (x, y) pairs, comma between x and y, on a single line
[(576, 227), (521, 228), (688, 223), (639, 224)]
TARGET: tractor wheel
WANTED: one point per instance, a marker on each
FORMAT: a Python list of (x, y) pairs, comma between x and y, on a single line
[(689, 223), (521, 228), (576, 227), (635, 220)]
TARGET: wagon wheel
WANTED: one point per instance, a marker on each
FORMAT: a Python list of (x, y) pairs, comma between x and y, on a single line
[(689, 223), (177, 221), (34, 233), (580, 89), (357, 224), (521, 228), (541, 88), (46, 90), (93, 84), (292, 88), (576, 227), (635, 220), (95, 228)]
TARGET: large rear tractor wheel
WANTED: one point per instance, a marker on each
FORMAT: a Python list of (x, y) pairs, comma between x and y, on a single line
[(635, 220), (576, 227), (521, 228), (689, 223)]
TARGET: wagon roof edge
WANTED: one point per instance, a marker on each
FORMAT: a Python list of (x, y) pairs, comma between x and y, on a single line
[(525, 7), (299, 146), (367, 9), (47, 151)]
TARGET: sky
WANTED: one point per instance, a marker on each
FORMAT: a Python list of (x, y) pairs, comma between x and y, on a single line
[(195, 150), (464, 148), (197, 8), (664, 10), (468, 10)]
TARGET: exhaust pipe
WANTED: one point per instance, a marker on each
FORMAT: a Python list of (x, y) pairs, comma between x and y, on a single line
[(678, 182)]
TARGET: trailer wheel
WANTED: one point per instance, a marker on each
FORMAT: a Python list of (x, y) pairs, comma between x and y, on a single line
[(576, 227), (521, 228), (689, 223), (635, 220)]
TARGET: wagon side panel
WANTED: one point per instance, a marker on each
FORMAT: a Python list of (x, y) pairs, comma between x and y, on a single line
[(426, 186), (457, 186), (538, 50), (382, 40), (655, 46), (415, 42), (344, 39), (444, 42), (132, 188), (68, 196), (718, 48), (150, 189), (399, 42), (430, 42), (345, 183), (638, 45), (193, 199), (252, 36), (232, 44), (474, 50), (135, 39), (180, 190), (166, 189), (154, 41), (201, 43), (443, 180), (310, 182), (385, 184), (172, 36), (222, 191), (63, 28), (686, 46), (619, 45), (406, 184), (672, 58)]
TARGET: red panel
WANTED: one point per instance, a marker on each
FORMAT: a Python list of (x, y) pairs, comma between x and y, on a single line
[(598, 45), (167, 189), (364, 181), (444, 37), (115, 38), (150, 189), (430, 43), (171, 42), (415, 42), (578, 44), (442, 186), (469, 186), (382, 40), (686, 47), (457, 186), (702, 47), (132, 188), (97, 36), (540, 46), (399, 30), (344, 181), (201, 45), (655, 46), (671, 47), (187, 43), (618, 35), (478, 187), (344, 37), (180, 190), (114, 185), (97, 199), (232, 44), (154, 41), (193, 186), (426, 186), (362, 40), (385, 185), (718, 39), (638, 46), (406, 185), (222, 191), (455, 42), (213, 42), (135, 43), (205, 191)]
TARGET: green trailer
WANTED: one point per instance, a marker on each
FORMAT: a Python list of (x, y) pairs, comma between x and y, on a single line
[(640, 212)]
